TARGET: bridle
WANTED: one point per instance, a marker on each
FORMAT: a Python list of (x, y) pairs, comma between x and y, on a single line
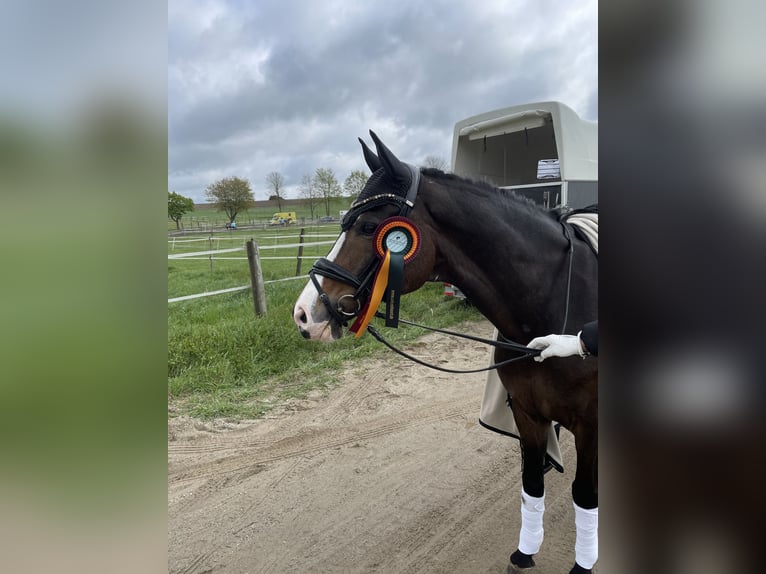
[(361, 284)]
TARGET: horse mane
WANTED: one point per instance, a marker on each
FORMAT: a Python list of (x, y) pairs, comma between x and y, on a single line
[(503, 196)]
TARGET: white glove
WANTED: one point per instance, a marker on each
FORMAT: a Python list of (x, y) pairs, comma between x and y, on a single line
[(557, 346)]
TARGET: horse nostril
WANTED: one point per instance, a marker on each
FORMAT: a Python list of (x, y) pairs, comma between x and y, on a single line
[(300, 315)]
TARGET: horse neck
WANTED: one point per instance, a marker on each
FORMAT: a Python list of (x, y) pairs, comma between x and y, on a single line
[(503, 254)]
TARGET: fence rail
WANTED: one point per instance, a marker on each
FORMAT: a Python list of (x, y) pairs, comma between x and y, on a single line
[(243, 239), (208, 255), (197, 253), (275, 257), (232, 289), (192, 254)]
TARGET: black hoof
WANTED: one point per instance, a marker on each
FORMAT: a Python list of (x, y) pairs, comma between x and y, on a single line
[(521, 561), (577, 569)]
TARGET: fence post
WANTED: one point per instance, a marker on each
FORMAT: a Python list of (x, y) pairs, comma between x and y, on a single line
[(300, 252), (256, 278), (210, 254)]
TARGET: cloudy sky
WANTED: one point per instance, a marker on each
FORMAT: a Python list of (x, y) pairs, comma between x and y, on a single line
[(288, 85)]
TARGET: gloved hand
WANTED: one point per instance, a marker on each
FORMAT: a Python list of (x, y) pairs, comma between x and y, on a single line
[(557, 346)]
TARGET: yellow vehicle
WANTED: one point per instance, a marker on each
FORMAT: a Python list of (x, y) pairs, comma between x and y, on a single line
[(283, 218)]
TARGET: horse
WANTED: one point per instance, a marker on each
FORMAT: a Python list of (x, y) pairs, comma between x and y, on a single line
[(519, 265)]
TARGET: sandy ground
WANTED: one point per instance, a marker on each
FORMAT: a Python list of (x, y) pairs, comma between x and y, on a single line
[(389, 472)]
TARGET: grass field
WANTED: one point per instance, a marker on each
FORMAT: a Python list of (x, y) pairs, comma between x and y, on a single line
[(225, 362)]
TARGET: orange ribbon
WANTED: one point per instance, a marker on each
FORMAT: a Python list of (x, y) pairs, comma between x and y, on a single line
[(378, 289)]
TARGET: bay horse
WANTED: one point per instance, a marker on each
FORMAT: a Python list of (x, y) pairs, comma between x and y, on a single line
[(520, 267)]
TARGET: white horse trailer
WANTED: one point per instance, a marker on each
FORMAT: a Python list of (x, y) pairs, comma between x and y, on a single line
[(543, 151)]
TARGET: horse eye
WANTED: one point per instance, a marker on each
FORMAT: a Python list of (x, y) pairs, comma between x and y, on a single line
[(368, 228)]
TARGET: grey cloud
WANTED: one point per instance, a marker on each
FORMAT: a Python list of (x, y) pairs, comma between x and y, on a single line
[(413, 69)]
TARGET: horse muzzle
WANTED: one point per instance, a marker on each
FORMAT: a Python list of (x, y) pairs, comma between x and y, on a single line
[(311, 326), (317, 315)]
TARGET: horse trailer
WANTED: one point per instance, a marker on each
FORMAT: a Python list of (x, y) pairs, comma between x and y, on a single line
[(543, 151)]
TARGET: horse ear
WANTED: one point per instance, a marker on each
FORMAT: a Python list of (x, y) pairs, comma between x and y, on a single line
[(394, 168), (369, 157)]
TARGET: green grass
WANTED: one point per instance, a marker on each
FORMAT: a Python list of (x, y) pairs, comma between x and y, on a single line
[(225, 362)]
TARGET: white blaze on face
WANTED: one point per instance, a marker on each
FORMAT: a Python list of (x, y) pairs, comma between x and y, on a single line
[(308, 304)]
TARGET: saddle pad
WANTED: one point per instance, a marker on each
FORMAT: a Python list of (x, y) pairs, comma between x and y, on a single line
[(587, 225)]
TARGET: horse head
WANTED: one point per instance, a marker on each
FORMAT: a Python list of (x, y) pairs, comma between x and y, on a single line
[(383, 218)]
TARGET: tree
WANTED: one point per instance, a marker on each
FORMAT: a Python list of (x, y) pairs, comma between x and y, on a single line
[(309, 192), (178, 205), (327, 186), (355, 183), (230, 195), (275, 182), (435, 162)]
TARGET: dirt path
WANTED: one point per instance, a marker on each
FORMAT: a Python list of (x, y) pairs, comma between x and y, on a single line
[(390, 473)]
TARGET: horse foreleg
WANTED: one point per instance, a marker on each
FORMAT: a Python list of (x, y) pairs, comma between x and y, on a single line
[(534, 438), (585, 500)]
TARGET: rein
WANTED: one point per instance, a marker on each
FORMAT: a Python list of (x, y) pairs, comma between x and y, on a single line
[(505, 344)]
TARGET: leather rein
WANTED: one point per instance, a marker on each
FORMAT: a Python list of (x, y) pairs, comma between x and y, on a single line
[(362, 285)]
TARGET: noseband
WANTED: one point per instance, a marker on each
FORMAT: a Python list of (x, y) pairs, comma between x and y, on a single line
[(332, 270), (363, 285)]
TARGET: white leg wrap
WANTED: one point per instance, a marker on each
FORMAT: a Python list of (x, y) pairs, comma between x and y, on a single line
[(586, 544), (531, 535)]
